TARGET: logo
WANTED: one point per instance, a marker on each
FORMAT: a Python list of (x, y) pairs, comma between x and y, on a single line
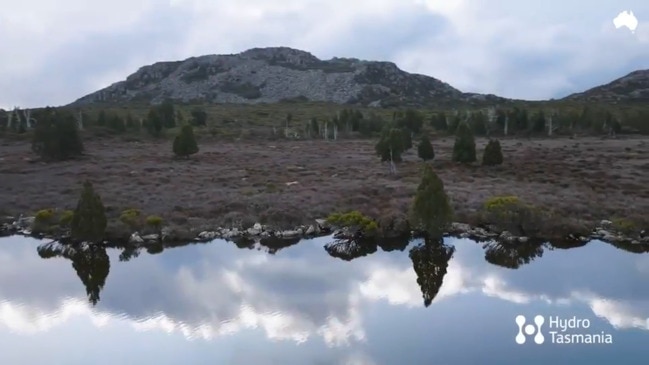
[(571, 330), (626, 19), (525, 330)]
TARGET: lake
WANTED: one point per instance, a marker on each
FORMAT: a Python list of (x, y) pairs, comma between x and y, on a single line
[(222, 303)]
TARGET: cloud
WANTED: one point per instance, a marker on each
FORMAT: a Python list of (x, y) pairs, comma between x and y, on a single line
[(514, 49)]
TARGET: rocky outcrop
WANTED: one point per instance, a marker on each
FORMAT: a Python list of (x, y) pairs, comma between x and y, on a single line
[(632, 87), (275, 74)]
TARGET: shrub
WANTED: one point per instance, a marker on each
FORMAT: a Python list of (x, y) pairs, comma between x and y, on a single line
[(511, 214), (66, 218), (44, 215), (493, 154), (131, 217), (43, 220), (354, 220), (154, 221), (425, 149)]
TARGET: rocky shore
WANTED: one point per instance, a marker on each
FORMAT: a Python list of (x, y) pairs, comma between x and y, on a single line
[(605, 231)]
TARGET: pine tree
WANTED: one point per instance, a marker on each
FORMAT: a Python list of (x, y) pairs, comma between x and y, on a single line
[(425, 149), (185, 143), (493, 154), (431, 209), (89, 219), (464, 148)]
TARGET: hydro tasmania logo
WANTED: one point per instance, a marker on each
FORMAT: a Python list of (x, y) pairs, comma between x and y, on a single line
[(561, 330)]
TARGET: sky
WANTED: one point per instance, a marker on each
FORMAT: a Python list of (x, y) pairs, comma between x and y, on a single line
[(55, 53)]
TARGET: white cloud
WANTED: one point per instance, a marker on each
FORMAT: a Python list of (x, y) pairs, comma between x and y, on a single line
[(59, 53)]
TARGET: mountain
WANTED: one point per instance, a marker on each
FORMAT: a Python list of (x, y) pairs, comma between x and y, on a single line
[(276, 74), (630, 88)]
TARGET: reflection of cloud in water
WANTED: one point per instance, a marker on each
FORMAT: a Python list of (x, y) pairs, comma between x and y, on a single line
[(203, 292)]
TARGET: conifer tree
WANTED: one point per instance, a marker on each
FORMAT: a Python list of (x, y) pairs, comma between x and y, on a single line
[(493, 154), (431, 209), (425, 149), (185, 143), (89, 219), (464, 148)]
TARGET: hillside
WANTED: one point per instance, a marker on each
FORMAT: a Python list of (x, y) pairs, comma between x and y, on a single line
[(276, 74), (633, 87)]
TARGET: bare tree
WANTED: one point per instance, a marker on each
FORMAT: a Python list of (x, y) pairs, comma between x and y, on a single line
[(10, 115), (491, 119), (80, 120)]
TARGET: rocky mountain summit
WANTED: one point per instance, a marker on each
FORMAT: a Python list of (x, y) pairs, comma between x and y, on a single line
[(276, 74), (632, 87)]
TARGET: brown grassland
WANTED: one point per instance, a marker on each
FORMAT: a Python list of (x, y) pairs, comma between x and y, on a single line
[(283, 183)]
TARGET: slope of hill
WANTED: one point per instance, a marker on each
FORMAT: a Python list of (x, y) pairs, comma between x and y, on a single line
[(630, 88), (275, 74)]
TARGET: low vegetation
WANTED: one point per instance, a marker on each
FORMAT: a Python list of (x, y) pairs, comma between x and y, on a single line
[(289, 163)]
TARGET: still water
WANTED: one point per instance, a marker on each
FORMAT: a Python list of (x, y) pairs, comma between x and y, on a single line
[(221, 303)]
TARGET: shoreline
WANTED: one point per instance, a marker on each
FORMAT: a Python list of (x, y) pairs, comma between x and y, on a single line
[(604, 232)]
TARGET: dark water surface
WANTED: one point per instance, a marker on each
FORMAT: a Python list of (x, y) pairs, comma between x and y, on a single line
[(217, 303)]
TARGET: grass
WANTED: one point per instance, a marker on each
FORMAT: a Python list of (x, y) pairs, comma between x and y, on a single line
[(285, 183)]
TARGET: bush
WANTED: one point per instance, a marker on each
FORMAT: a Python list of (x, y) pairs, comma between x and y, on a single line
[(509, 213), (131, 217), (464, 147), (154, 221), (44, 215), (354, 220), (493, 154), (425, 149), (43, 220), (66, 218)]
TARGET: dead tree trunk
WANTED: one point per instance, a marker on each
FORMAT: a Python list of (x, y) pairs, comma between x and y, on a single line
[(393, 168), (28, 118), (10, 115), (80, 121)]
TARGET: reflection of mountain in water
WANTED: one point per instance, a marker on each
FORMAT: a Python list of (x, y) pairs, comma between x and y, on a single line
[(430, 261), (91, 263), (512, 255), (351, 248)]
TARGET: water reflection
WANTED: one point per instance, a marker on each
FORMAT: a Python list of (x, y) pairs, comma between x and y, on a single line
[(244, 299), (512, 254), (350, 248), (430, 261), (90, 262)]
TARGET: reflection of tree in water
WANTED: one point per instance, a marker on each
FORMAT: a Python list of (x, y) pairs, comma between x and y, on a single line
[(351, 248), (272, 244), (512, 255), (91, 263), (275, 244), (430, 262), (128, 253)]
